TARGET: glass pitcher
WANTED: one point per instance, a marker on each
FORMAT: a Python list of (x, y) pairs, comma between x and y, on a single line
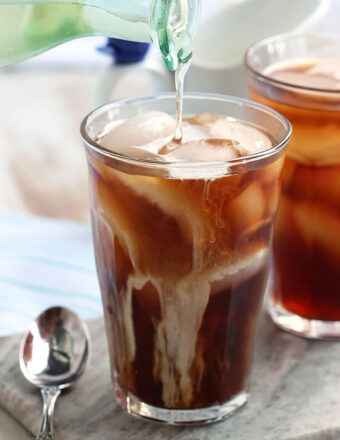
[(29, 27)]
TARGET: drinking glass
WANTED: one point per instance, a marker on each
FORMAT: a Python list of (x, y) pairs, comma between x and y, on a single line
[(182, 257), (305, 295)]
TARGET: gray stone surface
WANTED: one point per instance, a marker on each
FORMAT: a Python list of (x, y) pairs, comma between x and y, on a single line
[(11, 429), (295, 396)]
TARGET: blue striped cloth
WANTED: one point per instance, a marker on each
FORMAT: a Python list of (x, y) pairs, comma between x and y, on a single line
[(44, 262)]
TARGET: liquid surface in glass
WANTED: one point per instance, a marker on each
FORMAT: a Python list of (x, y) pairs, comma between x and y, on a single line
[(316, 73)]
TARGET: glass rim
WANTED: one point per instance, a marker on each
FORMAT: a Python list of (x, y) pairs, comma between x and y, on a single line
[(281, 37), (93, 145)]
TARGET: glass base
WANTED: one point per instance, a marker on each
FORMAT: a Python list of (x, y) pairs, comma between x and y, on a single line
[(201, 416), (309, 328)]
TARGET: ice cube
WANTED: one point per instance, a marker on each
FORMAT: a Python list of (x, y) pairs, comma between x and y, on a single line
[(315, 143), (319, 226), (311, 79), (316, 156), (301, 184), (327, 68), (313, 183), (272, 197), (141, 136), (234, 274), (127, 199), (192, 132), (207, 150), (251, 139), (284, 224), (323, 73), (271, 172), (247, 209), (206, 118)]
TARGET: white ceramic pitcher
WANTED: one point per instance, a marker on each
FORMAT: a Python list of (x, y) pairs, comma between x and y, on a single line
[(228, 27)]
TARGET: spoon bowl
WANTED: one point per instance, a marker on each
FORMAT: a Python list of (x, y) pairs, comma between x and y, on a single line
[(55, 350), (53, 354)]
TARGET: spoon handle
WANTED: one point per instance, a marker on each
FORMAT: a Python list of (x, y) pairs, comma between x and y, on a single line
[(49, 395)]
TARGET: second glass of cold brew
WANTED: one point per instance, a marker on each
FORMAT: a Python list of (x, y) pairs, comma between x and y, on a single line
[(181, 235), (299, 76)]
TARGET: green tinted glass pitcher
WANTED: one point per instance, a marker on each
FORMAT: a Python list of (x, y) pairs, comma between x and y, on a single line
[(28, 27)]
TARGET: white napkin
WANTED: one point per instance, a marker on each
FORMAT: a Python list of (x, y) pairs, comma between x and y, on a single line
[(44, 262)]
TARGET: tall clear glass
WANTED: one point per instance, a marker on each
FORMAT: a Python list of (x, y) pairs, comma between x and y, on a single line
[(182, 258), (305, 295)]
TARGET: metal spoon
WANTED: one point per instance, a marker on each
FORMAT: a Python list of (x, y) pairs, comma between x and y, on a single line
[(53, 354)]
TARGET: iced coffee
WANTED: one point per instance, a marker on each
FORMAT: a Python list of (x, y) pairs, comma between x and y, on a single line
[(181, 233), (304, 85)]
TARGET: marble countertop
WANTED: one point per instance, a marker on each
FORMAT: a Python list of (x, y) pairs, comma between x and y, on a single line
[(10, 428), (294, 396)]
